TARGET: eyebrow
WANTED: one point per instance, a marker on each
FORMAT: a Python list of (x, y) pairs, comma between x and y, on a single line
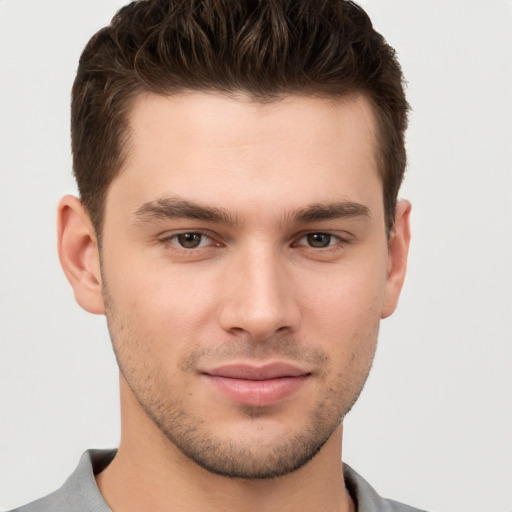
[(327, 211), (178, 208)]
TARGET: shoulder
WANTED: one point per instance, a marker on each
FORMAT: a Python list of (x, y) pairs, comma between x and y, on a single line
[(54, 502), (79, 493), (366, 497)]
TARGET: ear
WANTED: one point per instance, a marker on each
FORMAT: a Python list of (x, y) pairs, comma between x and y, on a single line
[(79, 254), (397, 258)]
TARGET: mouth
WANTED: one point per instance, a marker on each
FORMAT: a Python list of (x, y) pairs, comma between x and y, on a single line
[(257, 386)]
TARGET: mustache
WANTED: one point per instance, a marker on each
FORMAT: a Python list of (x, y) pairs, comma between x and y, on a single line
[(276, 347)]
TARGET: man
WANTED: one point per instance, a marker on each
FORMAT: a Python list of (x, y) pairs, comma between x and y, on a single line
[(238, 224)]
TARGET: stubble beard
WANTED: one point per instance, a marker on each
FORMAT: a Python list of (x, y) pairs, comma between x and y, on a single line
[(242, 460), (235, 458)]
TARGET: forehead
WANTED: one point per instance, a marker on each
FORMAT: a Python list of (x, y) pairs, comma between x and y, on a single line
[(234, 150), (215, 119)]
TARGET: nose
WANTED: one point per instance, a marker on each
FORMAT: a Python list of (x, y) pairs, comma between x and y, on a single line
[(259, 298)]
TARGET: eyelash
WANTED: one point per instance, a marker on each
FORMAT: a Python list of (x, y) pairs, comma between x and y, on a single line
[(169, 240), (339, 241)]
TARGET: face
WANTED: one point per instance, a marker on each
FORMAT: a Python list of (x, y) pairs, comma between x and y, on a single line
[(245, 269)]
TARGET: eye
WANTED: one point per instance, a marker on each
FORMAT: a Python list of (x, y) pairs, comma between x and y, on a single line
[(318, 240), (191, 240)]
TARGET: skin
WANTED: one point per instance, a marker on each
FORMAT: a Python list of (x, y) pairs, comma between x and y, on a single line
[(260, 287)]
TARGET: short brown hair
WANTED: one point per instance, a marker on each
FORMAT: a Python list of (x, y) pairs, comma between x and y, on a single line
[(264, 48)]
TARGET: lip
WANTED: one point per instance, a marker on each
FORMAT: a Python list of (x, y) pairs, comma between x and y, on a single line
[(258, 385)]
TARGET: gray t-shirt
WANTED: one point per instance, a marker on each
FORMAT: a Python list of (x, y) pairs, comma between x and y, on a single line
[(81, 494)]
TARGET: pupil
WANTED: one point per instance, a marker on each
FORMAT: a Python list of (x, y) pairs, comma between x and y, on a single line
[(189, 240), (319, 240)]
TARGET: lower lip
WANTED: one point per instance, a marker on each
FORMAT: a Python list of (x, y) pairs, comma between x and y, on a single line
[(258, 393)]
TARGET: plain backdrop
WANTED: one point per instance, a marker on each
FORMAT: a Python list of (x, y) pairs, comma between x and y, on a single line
[(434, 425)]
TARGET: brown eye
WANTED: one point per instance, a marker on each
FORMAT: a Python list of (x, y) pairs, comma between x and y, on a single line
[(189, 240), (319, 240)]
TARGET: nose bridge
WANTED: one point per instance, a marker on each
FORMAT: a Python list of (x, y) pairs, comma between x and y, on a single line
[(259, 296)]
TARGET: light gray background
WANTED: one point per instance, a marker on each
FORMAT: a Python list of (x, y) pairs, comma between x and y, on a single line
[(434, 425)]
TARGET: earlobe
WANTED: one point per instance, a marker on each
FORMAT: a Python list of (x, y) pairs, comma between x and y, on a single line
[(398, 252), (79, 254)]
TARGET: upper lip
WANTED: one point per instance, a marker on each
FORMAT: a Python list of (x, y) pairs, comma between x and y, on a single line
[(253, 372)]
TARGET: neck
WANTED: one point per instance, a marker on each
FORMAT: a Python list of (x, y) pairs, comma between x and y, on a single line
[(168, 480)]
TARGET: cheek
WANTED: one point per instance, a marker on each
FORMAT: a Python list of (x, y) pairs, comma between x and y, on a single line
[(347, 296), (159, 303), (342, 313)]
